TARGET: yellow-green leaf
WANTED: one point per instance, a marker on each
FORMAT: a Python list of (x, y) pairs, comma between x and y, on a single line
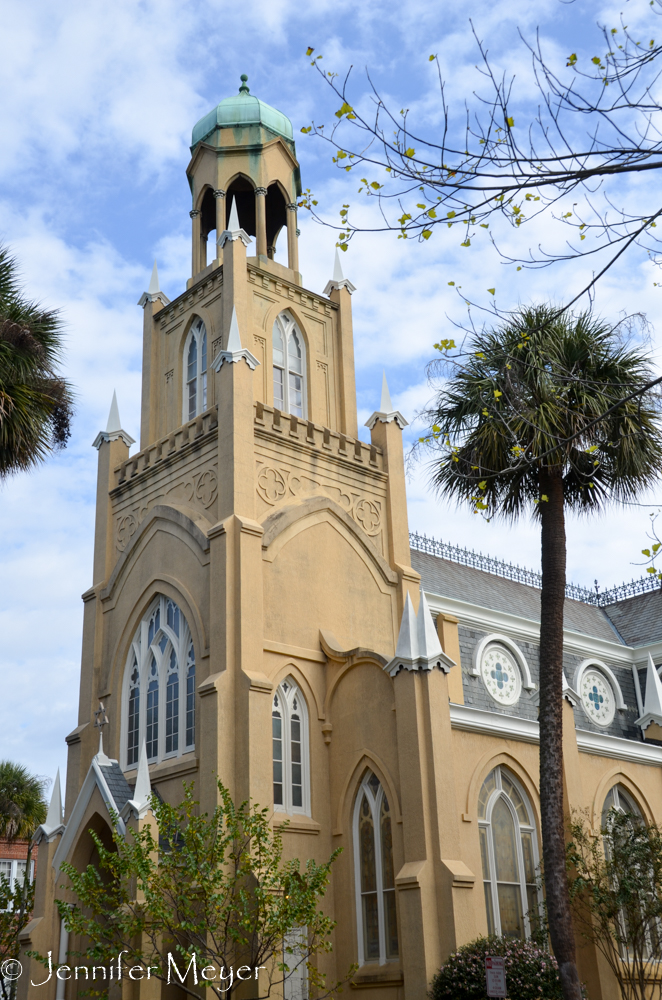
[(510, 122), (426, 234), (310, 50), (491, 290), (410, 153), (306, 130)]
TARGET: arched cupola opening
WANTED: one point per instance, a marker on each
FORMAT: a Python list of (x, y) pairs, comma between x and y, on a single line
[(207, 226), (242, 193), (276, 212)]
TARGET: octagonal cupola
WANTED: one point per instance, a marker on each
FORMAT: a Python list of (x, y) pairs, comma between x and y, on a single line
[(243, 154)]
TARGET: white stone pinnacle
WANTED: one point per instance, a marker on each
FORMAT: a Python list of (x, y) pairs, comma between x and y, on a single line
[(233, 224), (234, 339), (653, 699), (154, 281), (386, 406), (143, 789), (429, 646), (407, 646), (54, 816), (337, 269), (114, 424)]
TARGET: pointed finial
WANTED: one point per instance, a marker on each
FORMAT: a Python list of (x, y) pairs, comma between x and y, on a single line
[(338, 281), (113, 417), (244, 89), (386, 414), (54, 815), (337, 269), (154, 281), (113, 429), (386, 406), (234, 352), (143, 790), (233, 224), (428, 640), (653, 699), (233, 230), (234, 338)]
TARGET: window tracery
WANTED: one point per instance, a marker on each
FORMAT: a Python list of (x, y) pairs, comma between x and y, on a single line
[(509, 855), (195, 371), (289, 721), (161, 663), (374, 874), (289, 366)]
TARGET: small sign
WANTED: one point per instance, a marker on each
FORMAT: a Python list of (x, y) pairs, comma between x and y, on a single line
[(495, 974)]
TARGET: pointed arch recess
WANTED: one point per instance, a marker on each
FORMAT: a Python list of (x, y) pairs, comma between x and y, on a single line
[(617, 776), (487, 763), (185, 523), (365, 759), (282, 525)]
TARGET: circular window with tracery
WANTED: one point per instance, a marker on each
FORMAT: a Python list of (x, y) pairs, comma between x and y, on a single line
[(597, 697), (501, 675)]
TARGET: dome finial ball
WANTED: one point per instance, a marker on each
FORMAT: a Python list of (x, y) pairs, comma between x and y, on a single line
[(244, 89)]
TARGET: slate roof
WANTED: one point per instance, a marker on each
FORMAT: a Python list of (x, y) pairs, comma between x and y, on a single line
[(465, 583), (638, 619), (118, 786)]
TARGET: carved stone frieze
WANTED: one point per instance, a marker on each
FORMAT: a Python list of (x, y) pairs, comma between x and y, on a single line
[(278, 484), (198, 489)]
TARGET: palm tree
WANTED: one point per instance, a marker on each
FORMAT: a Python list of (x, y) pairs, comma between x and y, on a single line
[(537, 420), (35, 402), (22, 809), (22, 804)]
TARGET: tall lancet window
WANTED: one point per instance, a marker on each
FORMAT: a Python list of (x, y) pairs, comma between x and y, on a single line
[(161, 665), (289, 723), (509, 852), (374, 874), (195, 371), (289, 366)]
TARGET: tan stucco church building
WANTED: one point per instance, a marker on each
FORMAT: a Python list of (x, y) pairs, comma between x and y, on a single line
[(260, 611)]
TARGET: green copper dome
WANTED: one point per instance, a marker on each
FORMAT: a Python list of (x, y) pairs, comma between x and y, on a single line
[(242, 110)]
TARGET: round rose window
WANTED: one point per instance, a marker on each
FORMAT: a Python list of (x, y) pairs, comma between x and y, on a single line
[(501, 675), (597, 697)]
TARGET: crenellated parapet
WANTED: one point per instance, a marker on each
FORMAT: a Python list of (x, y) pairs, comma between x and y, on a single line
[(180, 469)]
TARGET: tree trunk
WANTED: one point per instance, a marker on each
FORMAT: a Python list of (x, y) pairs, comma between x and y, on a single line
[(551, 735)]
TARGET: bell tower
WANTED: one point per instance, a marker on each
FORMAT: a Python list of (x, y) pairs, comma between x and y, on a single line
[(243, 152)]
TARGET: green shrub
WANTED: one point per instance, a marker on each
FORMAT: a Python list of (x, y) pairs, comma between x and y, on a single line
[(531, 972)]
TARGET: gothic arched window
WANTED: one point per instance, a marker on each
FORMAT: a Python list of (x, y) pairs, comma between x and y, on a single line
[(195, 371), (374, 874), (289, 725), (161, 664), (509, 853), (289, 365)]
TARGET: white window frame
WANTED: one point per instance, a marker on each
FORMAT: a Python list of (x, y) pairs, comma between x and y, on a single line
[(520, 828), (286, 325), (287, 692), (375, 803), (140, 654), (198, 332), (295, 981), (12, 876)]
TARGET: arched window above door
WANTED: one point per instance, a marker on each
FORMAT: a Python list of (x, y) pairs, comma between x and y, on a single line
[(509, 854), (159, 687), (289, 366), (195, 371)]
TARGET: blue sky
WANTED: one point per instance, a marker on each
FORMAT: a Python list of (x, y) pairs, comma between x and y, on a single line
[(98, 102)]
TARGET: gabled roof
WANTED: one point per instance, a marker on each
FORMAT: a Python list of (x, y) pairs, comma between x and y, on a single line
[(107, 776)]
